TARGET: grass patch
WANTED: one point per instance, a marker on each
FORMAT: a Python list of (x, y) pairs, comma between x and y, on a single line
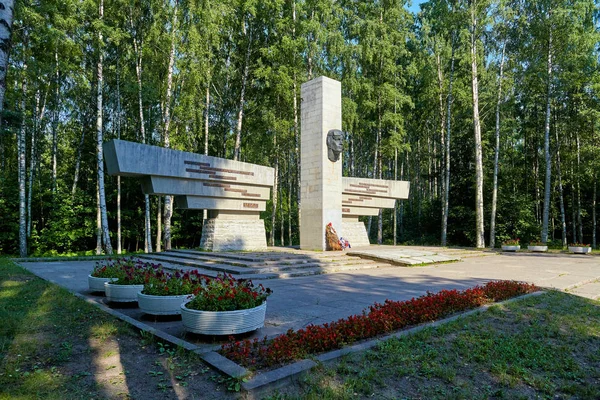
[(54, 345), (544, 346)]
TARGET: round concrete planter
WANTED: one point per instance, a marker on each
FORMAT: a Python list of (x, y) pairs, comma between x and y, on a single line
[(223, 322), (161, 305), (580, 249), (97, 284), (537, 249), (510, 248), (122, 293)]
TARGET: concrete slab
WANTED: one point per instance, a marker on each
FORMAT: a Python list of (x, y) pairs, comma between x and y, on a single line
[(299, 301)]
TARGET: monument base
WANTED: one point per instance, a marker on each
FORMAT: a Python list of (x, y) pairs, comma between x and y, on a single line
[(355, 232), (225, 233)]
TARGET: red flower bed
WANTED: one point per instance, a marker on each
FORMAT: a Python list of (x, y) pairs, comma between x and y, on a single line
[(380, 319)]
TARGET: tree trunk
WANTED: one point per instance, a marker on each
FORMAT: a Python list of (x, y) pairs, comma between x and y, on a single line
[(98, 223), (78, 162), (289, 199), (480, 239), (547, 145), (138, 47), (167, 124), (6, 19), (442, 118), (594, 243), (297, 152), (577, 172), (275, 191), (119, 239), (55, 125), (206, 118), (378, 161), (99, 140), (496, 153), (159, 224), (395, 221), (31, 171), (561, 194), (238, 129), (22, 145), (445, 206)]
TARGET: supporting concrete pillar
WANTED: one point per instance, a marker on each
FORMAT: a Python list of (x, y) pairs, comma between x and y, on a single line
[(321, 179), (355, 231)]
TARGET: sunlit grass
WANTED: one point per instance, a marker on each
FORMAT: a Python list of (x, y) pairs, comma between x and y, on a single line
[(40, 323), (543, 346)]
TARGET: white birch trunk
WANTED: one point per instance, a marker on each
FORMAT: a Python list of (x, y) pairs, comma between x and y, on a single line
[(238, 129), (579, 221), (22, 149), (440, 77), (206, 119), (289, 199), (297, 153), (479, 238), (594, 243), (78, 163), (275, 192), (395, 221), (447, 151), (138, 47), (119, 239), (99, 141), (561, 195), (55, 125), (496, 153), (159, 224), (546, 212), (98, 223), (31, 176), (6, 21), (167, 123)]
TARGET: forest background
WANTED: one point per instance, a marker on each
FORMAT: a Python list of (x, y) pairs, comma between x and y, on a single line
[(490, 108)]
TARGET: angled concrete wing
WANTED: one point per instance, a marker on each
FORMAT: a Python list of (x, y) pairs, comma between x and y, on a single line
[(235, 192), (363, 196)]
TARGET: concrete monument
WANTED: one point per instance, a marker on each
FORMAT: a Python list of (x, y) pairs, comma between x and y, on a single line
[(326, 197), (234, 192), (321, 176)]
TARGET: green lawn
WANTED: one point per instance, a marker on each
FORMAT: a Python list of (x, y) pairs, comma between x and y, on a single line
[(54, 345), (542, 347)]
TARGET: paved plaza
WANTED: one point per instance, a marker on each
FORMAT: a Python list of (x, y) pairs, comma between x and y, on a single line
[(316, 299)]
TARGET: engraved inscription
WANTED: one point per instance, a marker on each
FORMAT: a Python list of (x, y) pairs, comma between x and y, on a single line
[(250, 205), (207, 169)]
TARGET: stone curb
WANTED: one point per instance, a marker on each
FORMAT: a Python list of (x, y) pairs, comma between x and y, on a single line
[(140, 325), (263, 383)]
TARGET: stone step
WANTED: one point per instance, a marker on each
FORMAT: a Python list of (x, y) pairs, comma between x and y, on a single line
[(248, 257), (331, 265), (217, 258), (230, 269), (264, 269)]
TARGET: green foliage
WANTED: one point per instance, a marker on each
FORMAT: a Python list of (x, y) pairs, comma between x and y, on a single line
[(395, 69)]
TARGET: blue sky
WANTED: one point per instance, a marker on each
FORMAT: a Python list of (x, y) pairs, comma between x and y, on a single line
[(414, 8)]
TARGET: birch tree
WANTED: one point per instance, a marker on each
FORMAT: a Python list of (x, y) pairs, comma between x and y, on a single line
[(479, 238), (100, 139), (6, 21)]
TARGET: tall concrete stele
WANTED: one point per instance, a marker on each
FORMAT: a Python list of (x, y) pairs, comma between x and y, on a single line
[(326, 197), (320, 178), (234, 192)]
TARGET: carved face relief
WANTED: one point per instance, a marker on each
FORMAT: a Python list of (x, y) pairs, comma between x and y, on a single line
[(335, 144)]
